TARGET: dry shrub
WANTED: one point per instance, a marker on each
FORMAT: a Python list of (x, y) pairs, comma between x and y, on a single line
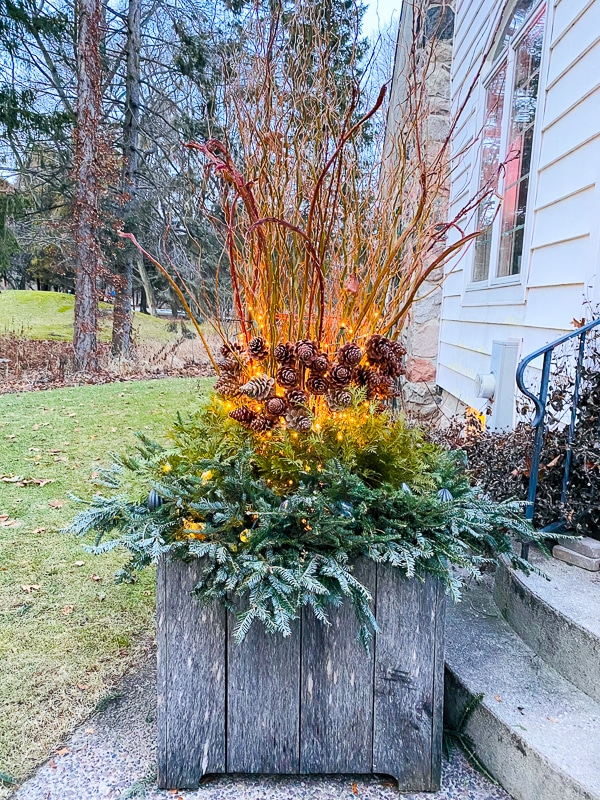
[(32, 364), (500, 462)]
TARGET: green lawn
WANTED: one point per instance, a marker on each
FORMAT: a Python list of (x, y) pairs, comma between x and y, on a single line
[(66, 630), (49, 315)]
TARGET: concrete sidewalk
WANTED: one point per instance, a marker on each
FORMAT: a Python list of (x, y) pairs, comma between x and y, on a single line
[(112, 757)]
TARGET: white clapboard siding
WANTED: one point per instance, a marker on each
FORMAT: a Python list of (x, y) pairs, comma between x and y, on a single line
[(565, 218), (561, 261), (571, 173)]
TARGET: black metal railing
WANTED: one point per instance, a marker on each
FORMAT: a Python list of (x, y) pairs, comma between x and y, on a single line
[(540, 403)]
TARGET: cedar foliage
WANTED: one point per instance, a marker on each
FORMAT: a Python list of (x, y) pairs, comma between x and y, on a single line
[(279, 519)]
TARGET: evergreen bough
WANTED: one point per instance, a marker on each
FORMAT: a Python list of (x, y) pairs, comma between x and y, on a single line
[(278, 520)]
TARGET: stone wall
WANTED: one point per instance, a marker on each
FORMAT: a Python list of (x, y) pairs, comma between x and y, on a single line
[(421, 334)]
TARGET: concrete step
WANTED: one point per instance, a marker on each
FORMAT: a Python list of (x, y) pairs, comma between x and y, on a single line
[(536, 733), (558, 618)]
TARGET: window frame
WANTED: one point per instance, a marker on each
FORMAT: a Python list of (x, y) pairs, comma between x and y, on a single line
[(508, 57)]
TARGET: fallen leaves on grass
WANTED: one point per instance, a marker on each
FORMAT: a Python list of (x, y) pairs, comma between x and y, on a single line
[(66, 610), (63, 751), (32, 587), (56, 503), (19, 480), (7, 522), (95, 578), (39, 530)]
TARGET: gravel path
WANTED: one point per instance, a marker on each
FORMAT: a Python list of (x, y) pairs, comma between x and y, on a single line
[(112, 756)]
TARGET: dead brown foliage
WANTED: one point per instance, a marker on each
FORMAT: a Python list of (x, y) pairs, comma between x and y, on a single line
[(29, 365)]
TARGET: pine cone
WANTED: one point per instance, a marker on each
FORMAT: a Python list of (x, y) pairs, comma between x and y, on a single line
[(297, 420), (339, 399), (365, 376), (350, 354), (392, 367), (284, 354), (296, 397), (320, 364), (317, 384), (306, 350), (287, 376), (276, 406), (361, 376), (261, 423), (243, 415), (387, 387), (258, 388), (340, 375), (230, 366), (257, 348), (231, 349), (227, 386), (397, 348), (378, 348)]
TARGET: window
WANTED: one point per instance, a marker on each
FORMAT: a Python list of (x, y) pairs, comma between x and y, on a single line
[(490, 163), (511, 102), (513, 24)]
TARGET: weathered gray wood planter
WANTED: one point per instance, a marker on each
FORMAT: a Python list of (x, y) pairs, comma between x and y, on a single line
[(312, 703)]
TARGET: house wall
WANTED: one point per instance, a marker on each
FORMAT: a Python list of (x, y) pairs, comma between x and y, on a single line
[(421, 332), (562, 238)]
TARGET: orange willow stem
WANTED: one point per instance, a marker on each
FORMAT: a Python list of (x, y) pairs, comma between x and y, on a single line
[(313, 253), (434, 265), (230, 212), (336, 153), (232, 175), (177, 290)]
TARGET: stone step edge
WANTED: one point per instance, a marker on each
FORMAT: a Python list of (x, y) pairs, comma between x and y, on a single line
[(519, 767), (569, 647)]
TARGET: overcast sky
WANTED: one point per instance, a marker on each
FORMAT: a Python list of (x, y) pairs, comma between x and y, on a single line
[(379, 14)]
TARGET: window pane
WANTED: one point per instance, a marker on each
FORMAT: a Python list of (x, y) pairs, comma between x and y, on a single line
[(520, 144), (490, 165), (514, 23)]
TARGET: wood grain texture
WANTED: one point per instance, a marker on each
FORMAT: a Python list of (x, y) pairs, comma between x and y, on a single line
[(406, 681), (263, 712), (437, 731), (336, 730), (191, 679), (312, 703)]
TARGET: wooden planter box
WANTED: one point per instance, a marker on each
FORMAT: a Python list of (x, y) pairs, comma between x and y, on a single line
[(312, 703)]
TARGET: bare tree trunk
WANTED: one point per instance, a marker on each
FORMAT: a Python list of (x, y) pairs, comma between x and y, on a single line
[(123, 313), (147, 285), (87, 145)]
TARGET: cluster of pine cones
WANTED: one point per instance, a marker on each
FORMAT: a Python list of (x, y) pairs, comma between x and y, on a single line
[(304, 370)]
